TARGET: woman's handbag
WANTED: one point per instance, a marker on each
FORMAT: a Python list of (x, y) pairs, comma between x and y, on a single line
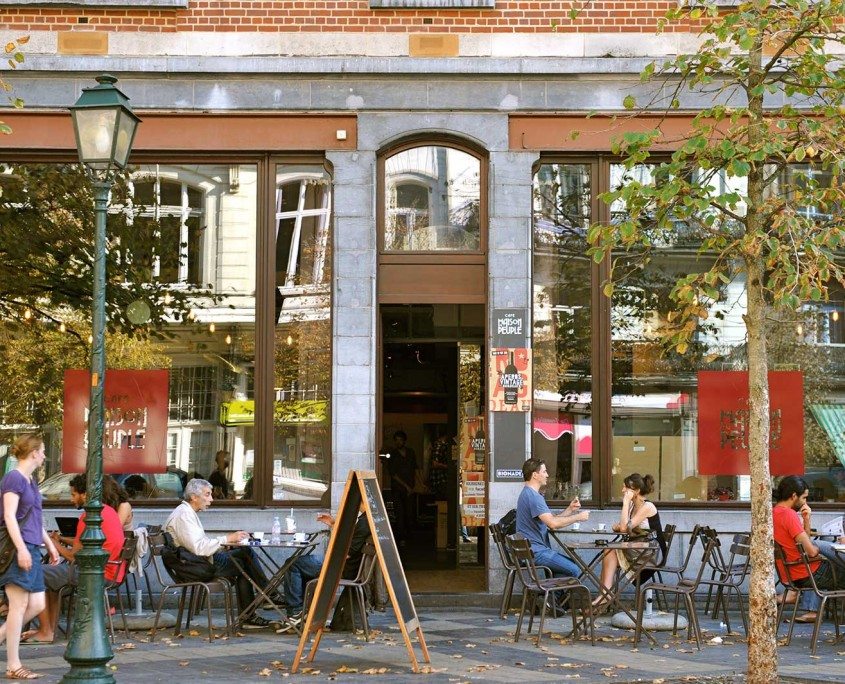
[(7, 546)]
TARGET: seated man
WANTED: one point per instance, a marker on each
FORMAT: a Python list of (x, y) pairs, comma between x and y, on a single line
[(306, 568), (534, 519), (185, 528), (58, 576), (791, 523)]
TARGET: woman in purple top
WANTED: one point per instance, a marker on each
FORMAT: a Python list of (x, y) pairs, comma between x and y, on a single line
[(24, 579)]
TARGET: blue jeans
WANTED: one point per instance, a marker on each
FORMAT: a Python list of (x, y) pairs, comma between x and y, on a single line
[(560, 565), (823, 576), (304, 568)]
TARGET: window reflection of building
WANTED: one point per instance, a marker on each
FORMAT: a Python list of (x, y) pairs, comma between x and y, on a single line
[(432, 200), (654, 393), (302, 350)]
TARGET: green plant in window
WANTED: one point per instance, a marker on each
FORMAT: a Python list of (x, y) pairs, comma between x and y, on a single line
[(778, 100)]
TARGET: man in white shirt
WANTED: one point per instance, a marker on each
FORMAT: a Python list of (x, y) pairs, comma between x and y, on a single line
[(185, 528)]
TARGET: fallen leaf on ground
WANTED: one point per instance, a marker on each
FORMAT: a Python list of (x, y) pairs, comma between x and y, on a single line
[(184, 663), (266, 672)]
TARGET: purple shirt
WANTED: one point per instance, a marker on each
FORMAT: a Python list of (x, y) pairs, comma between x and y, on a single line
[(30, 500)]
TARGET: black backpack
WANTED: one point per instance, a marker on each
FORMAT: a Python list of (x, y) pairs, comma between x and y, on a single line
[(508, 522), (183, 565)]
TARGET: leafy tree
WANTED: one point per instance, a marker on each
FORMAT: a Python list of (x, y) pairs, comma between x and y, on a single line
[(14, 56), (47, 252), (757, 179)]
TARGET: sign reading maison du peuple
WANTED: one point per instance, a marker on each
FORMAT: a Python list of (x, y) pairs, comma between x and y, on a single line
[(135, 421)]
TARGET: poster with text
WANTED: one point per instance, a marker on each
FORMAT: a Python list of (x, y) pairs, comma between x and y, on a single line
[(135, 421), (723, 423), (510, 379)]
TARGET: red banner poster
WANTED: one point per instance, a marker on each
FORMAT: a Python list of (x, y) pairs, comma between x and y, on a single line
[(723, 423), (510, 379), (135, 425)]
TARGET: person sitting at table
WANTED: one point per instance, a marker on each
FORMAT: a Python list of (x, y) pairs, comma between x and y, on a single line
[(534, 519), (58, 576), (118, 498), (306, 568), (791, 523), (185, 528), (638, 518)]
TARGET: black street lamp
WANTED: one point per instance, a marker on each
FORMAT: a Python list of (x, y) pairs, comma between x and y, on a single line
[(105, 128)]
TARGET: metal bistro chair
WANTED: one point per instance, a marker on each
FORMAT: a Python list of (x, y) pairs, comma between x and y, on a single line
[(728, 575), (199, 591), (836, 596), (509, 565), (121, 565), (685, 587), (356, 585), (785, 574), (650, 569), (537, 588)]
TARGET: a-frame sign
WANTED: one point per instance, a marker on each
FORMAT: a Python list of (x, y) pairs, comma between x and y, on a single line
[(363, 493)]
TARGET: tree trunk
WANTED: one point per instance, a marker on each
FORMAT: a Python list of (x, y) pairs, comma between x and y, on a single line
[(762, 623)]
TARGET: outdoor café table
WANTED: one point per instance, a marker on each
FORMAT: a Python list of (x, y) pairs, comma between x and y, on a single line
[(263, 595), (612, 594)]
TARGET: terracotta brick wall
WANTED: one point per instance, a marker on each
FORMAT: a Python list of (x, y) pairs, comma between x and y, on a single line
[(510, 16)]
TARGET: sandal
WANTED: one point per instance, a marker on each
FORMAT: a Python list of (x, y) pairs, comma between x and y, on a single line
[(807, 618), (22, 673)]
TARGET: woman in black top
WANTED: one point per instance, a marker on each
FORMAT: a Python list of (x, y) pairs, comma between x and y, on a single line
[(638, 517)]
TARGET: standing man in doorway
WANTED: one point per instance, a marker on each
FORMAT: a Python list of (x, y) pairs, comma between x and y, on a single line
[(534, 519), (402, 467)]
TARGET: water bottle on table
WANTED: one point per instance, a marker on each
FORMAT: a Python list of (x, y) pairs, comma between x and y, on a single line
[(276, 530)]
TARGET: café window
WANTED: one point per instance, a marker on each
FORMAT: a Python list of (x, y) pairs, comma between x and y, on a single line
[(659, 398), (302, 340), (562, 430), (432, 200)]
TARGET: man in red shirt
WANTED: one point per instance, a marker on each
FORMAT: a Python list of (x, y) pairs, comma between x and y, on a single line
[(791, 522), (58, 576)]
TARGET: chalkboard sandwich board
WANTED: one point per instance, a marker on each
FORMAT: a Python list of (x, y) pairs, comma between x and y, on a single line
[(362, 493)]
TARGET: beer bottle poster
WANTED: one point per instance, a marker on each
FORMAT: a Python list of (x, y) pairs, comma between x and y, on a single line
[(510, 379)]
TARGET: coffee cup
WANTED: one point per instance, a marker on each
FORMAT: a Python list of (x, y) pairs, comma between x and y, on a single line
[(258, 536), (299, 537), (290, 524), (602, 527), (576, 526)]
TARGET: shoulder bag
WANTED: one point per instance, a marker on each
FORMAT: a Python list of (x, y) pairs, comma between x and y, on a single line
[(7, 546)]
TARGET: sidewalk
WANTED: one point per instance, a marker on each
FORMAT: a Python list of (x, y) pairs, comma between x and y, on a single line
[(466, 645)]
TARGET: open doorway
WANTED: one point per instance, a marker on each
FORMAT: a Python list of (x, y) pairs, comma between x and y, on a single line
[(432, 442)]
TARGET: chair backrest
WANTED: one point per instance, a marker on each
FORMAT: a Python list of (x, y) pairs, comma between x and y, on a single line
[(520, 550), (124, 558), (504, 552), (368, 562), (805, 559), (784, 567), (157, 544), (708, 538), (668, 537), (740, 549), (694, 537)]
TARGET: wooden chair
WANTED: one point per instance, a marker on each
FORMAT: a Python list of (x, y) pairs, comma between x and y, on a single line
[(685, 587), (651, 569), (836, 596), (357, 585), (543, 589), (728, 575), (200, 591)]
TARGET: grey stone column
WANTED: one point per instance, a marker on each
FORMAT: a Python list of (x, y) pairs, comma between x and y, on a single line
[(509, 273), (354, 317)]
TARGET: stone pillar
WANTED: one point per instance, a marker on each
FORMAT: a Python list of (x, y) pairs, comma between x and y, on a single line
[(354, 317)]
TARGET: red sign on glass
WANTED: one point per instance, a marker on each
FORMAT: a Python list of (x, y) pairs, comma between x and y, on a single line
[(135, 425), (723, 423)]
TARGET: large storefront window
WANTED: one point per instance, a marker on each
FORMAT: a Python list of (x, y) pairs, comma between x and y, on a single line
[(657, 397), (197, 237), (562, 424), (302, 349), (432, 200)]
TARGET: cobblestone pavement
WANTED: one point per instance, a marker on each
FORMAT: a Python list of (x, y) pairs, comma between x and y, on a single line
[(466, 645)]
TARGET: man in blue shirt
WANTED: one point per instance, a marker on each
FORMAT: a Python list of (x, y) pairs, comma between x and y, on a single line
[(534, 519)]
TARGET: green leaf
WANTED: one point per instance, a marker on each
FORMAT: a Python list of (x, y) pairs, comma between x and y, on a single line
[(630, 102)]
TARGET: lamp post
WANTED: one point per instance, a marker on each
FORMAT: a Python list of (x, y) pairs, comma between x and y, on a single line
[(105, 128)]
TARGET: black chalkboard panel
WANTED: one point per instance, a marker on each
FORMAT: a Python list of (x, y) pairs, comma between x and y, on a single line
[(362, 487)]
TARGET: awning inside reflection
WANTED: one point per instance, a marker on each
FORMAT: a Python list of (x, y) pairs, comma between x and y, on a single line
[(832, 419)]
